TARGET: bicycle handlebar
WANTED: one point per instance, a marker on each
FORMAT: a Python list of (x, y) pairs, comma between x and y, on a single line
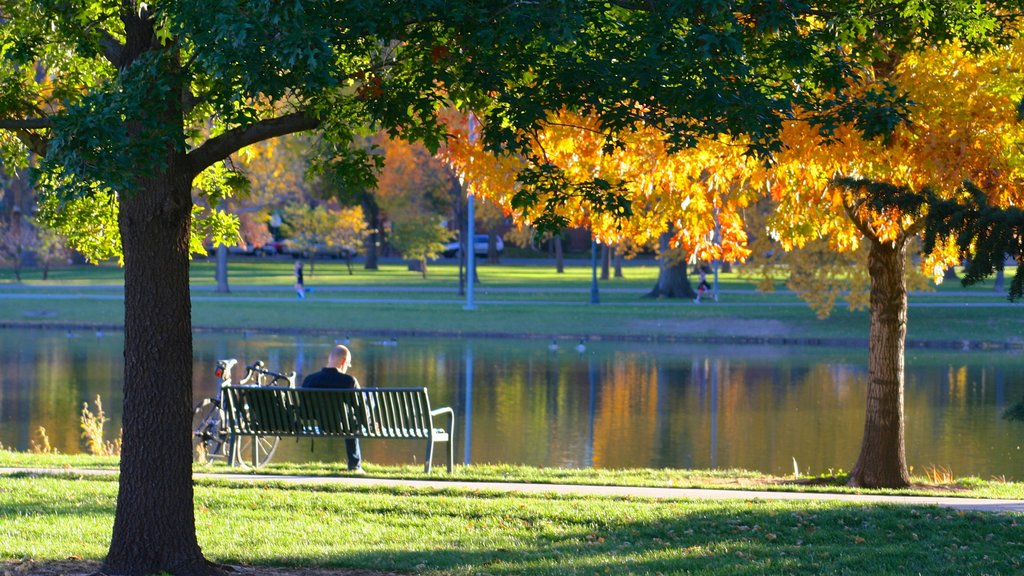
[(256, 373)]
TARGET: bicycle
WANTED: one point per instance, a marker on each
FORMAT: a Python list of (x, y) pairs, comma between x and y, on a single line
[(211, 439)]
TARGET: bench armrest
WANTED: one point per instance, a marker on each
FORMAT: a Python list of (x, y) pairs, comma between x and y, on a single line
[(451, 416)]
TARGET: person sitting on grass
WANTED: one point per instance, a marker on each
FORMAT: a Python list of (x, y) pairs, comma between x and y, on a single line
[(335, 375)]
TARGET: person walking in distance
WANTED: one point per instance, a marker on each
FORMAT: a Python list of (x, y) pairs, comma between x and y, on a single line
[(702, 286), (335, 375), (300, 285)]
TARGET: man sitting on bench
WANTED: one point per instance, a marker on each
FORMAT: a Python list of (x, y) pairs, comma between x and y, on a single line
[(335, 375)]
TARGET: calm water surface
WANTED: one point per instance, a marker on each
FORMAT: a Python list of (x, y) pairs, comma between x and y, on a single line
[(616, 405)]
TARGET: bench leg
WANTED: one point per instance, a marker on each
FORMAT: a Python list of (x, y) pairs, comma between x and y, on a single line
[(451, 452), (233, 451), (430, 455)]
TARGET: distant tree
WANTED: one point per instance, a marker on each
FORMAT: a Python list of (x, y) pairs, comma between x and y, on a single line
[(311, 230), (349, 232), (253, 229), (17, 239), (420, 238), (50, 249)]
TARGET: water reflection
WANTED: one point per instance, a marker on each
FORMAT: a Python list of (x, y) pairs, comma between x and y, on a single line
[(616, 405)]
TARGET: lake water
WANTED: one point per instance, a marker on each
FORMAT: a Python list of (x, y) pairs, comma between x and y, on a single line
[(616, 405)]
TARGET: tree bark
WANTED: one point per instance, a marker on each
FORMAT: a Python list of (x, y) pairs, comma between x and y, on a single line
[(672, 279), (373, 219), (222, 270), (154, 524), (559, 256), (618, 262), (882, 462), (606, 261), (492, 247)]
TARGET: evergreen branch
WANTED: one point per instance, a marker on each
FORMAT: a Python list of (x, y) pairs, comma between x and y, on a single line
[(984, 234)]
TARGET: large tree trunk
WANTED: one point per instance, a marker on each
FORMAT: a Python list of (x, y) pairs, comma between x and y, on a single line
[(606, 262), (672, 279), (154, 524), (882, 462)]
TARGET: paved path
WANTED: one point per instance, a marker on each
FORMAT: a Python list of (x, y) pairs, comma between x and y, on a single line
[(977, 504)]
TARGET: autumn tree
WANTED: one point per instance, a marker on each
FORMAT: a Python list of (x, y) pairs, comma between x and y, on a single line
[(312, 229), (641, 193), (962, 126)]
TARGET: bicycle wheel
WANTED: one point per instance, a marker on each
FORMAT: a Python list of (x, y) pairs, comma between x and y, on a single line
[(255, 451), (209, 439)]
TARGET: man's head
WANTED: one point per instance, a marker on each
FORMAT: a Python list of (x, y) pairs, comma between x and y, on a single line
[(340, 358)]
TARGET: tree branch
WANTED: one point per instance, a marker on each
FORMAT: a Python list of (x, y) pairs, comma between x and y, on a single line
[(22, 129), (113, 50), (851, 213), (25, 123), (219, 148)]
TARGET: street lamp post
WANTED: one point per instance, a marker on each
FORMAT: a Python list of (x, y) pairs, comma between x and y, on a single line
[(469, 242)]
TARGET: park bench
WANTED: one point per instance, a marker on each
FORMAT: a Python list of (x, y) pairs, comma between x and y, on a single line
[(384, 413)]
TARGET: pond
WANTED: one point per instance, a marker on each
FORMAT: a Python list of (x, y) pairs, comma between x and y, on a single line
[(616, 405)]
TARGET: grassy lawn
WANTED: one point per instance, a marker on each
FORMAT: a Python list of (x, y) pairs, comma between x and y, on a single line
[(732, 479), (513, 299), (462, 532)]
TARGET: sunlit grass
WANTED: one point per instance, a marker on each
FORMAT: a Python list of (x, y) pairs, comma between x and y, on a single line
[(460, 532), (728, 479)]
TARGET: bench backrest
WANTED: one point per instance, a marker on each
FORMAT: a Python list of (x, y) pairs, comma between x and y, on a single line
[(366, 412)]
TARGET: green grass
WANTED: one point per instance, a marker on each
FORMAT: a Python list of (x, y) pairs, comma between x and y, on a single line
[(513, 299), (827, 482), (459, 532)]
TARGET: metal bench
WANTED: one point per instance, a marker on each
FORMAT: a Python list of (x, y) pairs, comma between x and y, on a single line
[(385, 413)]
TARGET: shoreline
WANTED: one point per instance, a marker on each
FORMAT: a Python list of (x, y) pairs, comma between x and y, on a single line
[(959, 345)]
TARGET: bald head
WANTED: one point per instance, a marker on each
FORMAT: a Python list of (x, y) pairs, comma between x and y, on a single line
[(340, 358)]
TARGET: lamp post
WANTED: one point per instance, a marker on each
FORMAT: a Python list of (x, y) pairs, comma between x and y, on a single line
[(595, 298), (718, 261), (469, 242)]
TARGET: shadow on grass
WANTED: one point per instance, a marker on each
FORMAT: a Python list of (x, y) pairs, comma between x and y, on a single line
[(496, 534), (463, 533)]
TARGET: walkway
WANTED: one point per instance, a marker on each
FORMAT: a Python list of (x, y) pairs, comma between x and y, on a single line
[(975, 504)]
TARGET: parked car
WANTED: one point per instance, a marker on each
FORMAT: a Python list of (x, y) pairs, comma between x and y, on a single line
[(451, 249)]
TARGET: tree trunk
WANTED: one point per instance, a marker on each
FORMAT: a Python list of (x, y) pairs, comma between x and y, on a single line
[(618, 262), (1000, 281), (373, 238), (882, 462), (672, 279), (559, 257), (492, 247), (221, 273), (606, 262), (154, 524)]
